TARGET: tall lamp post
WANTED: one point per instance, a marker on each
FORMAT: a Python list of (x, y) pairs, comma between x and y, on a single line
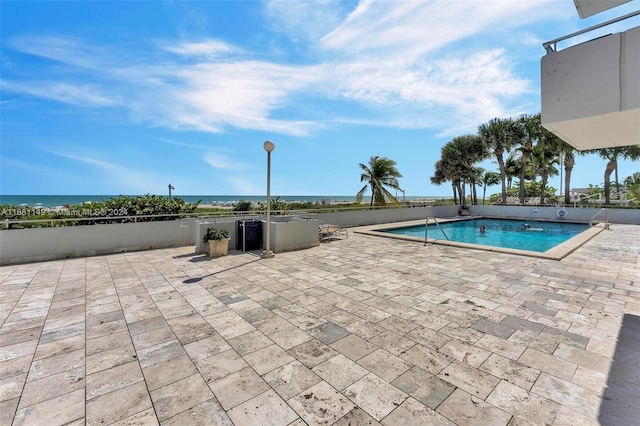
[(170, 188), (267, 253)]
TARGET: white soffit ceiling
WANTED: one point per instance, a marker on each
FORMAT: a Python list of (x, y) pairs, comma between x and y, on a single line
[(621, 128), (588, 8)]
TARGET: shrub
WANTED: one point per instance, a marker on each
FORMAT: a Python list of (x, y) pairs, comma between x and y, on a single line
[(214, 234), (242, 206)]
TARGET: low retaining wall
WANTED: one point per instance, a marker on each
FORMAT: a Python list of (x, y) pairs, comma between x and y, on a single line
[(351, 218), (570, 214), (39, 244), (287, 232)]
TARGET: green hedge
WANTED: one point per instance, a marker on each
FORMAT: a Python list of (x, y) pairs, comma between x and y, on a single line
[(131, 207)]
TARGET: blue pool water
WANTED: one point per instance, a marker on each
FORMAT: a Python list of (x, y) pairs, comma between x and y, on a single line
[(540, 237)]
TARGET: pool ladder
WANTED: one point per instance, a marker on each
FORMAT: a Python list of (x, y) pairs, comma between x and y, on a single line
[(593, 221), (426, 228)]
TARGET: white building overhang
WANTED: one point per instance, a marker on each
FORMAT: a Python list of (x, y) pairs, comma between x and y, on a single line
[(588, 8), (591, 92)]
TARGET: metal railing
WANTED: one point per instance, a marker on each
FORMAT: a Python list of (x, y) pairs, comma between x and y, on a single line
[(551, 46), (593, 221), (426, 229)]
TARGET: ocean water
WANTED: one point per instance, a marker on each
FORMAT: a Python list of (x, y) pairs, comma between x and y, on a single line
[(75, 200)]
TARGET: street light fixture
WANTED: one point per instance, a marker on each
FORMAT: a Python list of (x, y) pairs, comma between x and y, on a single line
[(267, 253)]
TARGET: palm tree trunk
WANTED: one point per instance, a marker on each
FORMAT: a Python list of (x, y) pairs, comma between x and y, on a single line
[(523, 160), (484, 192), (569, 162), (455, 194), (611, 166), (543, 186), (502, 178), (373, 194), (474, 192)]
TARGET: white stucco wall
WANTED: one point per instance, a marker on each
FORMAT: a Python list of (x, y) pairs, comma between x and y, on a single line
[(372, 217), (35, 244), (287, 233), (591, 91), (579, 214)]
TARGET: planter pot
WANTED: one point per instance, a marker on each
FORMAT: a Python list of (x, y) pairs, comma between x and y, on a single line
[(217, 248)]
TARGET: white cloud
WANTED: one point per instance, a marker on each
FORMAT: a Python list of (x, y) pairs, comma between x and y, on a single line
[(122, 177), (400, 60), (188, 145), (411, 27), (84, 94), (304, 20), (32, 168), (208, 48), (88, 160), (222, 162), (245, 186)]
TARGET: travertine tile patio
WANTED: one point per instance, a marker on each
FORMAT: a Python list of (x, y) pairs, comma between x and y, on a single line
[(363, 330)]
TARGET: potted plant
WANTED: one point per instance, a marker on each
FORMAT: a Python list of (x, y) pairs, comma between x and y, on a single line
[(216, 242)]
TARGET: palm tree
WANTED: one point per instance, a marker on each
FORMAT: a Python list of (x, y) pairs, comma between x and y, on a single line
[(499, 135), (531, 129), (476, 178), (462, 153), (545, 156), (633, 179), (631, 152), (380, 172), (457, 163), (488, 179), (511, 167), (444, 172), (568, 153)]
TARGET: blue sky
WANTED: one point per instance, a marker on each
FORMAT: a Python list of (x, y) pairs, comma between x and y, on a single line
[(123, 97)]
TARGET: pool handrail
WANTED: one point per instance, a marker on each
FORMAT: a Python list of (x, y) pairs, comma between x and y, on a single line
[(593, 221), (426, 227)]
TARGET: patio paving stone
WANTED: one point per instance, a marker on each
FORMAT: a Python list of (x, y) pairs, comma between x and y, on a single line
[(321, 405), (118, 405), (568, 394), (360, 331), (524, 405), (106, 381), (312, 352), (384, 364), (392, 342), (375, 396), (472, 380), (411, 412), (60, 410), (548, 363), (511, 371), (424, 387), (291, 379), (328, 333), (353, 347), (238, 387), (268, 358), (339, 371), (209, 412), (465, 409), (180, 396)]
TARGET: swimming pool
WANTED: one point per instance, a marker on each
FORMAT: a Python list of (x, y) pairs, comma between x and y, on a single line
[(545, 239), (540, 236)]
